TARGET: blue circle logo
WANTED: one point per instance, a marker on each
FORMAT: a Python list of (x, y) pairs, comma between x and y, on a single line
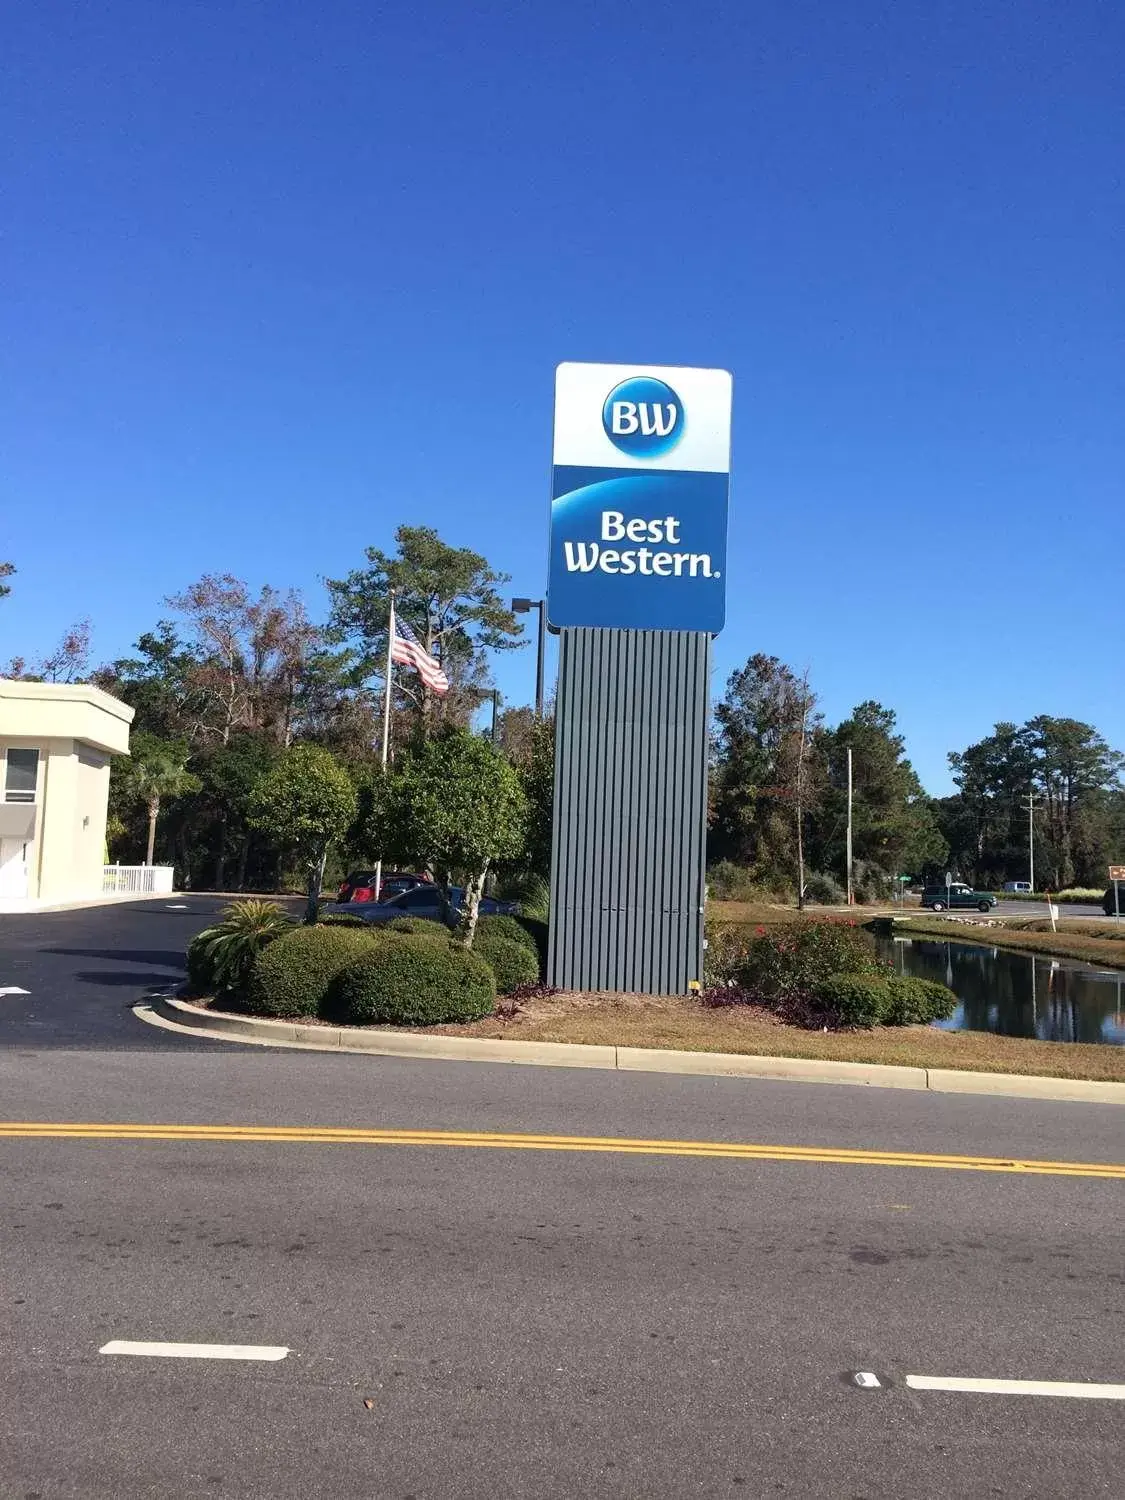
[(643, 417)]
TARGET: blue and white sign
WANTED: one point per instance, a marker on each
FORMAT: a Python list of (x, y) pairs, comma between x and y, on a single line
[(639, 498)]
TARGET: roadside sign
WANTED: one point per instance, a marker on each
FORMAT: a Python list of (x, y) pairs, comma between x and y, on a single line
[(639, 489), (1117, 872)]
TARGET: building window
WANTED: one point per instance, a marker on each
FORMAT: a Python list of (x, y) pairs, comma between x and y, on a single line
[(20, 775)]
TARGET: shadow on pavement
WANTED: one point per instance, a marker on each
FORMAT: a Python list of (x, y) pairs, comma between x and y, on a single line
[(161, 958), (138, 979)]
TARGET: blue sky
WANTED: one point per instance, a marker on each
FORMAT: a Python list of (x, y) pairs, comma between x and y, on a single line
[(280, 276)]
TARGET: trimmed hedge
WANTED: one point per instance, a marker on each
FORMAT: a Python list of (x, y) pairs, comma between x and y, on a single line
[(513, 964), (342, 919), (884, 1000), (419, 927), (291, 976), (411, 981), (512, 930)]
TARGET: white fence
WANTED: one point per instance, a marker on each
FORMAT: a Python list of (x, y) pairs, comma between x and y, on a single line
[(136, 880)]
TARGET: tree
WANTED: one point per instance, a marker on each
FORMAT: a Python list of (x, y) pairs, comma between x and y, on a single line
[(306, 802), (895, 829), (454, 803), (1074, 778), (1071, 764), (256, 660), (157, 769), (985, 823), (228, 775), (68, 662), (766, 770), (6, 571), (450, 598), (158, 685)]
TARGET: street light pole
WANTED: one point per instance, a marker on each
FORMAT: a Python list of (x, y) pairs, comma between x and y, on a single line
[(523, 607), (1031, 839), (848, 855)]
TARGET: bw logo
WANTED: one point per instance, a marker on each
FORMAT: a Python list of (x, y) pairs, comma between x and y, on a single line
[(643, 417)]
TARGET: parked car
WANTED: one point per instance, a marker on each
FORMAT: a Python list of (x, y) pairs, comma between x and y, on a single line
[(1018, 887), (1113, 903), (956, 896), (432, 903), (360, 885)]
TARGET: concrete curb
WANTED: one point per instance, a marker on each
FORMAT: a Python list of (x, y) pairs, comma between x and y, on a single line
[(179, 1015), (86, 903)]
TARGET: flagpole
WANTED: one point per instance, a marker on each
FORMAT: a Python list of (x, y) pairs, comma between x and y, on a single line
[(388, 693), (389, 684)]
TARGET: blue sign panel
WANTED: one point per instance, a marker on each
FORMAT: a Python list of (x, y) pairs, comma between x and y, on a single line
[(639, 498)]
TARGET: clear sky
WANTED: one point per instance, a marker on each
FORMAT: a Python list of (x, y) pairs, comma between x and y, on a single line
[(278, 276)]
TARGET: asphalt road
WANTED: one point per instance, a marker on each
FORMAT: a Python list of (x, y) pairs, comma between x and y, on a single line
[(522, 1322)]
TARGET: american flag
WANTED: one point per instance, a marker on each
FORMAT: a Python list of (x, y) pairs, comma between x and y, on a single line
[(408, 651)]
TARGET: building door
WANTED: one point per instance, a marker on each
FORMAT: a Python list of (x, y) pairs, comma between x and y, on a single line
[(13, 868)]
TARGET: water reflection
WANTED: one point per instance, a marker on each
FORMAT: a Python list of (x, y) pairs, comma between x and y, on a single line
[(1017, 994)]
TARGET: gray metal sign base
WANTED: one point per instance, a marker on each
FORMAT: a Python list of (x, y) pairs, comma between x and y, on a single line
[(630, 814)]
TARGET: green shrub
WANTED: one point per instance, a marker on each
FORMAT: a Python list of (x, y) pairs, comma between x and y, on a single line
[(419, 927), (342, 919), (725, 953), (853, 999), (825, 890), (291, 976), (866, 1000), (200, 967), (727, 881), (411, 981), (512, 930), (784, 962), (220, 958), (538, 931), (917, 1002), (513, 964), (531, 891)]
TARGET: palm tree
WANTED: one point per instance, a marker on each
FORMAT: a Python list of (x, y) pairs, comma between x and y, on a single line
[(158, 769)]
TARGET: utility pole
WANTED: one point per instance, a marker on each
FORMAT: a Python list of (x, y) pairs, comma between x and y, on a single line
[(848, 856), (1031, 839)]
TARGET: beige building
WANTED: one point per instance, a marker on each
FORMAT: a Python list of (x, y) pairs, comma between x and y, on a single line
[(56, 740)]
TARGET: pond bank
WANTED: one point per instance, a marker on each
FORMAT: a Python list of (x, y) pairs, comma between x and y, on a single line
[(1073, 940)]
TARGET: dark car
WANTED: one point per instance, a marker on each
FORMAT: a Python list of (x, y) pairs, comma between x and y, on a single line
[(360, 885), (957, 897), (432, 903), (1113, 901)]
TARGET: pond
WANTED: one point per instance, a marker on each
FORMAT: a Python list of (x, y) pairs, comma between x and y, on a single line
[(1017, 994)]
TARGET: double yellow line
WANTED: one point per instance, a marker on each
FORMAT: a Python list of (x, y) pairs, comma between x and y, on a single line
[(507, 1141)]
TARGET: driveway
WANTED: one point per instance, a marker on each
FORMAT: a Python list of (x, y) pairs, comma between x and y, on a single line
[(84, 970)]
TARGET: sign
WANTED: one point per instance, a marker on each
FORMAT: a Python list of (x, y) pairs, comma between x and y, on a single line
[(1117, 872), (639, 498)]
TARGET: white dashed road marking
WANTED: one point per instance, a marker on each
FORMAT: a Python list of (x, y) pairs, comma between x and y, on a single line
[(13, 989), (1075, 1388), (195, 1351)]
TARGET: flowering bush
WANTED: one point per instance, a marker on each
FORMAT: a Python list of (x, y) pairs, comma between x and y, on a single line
[(815, 973), (782, 963)]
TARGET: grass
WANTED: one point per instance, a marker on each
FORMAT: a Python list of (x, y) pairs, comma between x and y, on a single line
[(680, 1022), (1085, 941)]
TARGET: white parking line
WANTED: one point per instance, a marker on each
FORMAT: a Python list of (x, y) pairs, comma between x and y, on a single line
[(1075, 1388), (13, 989), (195, 1351)]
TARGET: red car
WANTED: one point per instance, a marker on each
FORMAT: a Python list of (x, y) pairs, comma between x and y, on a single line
[(360, 885)]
